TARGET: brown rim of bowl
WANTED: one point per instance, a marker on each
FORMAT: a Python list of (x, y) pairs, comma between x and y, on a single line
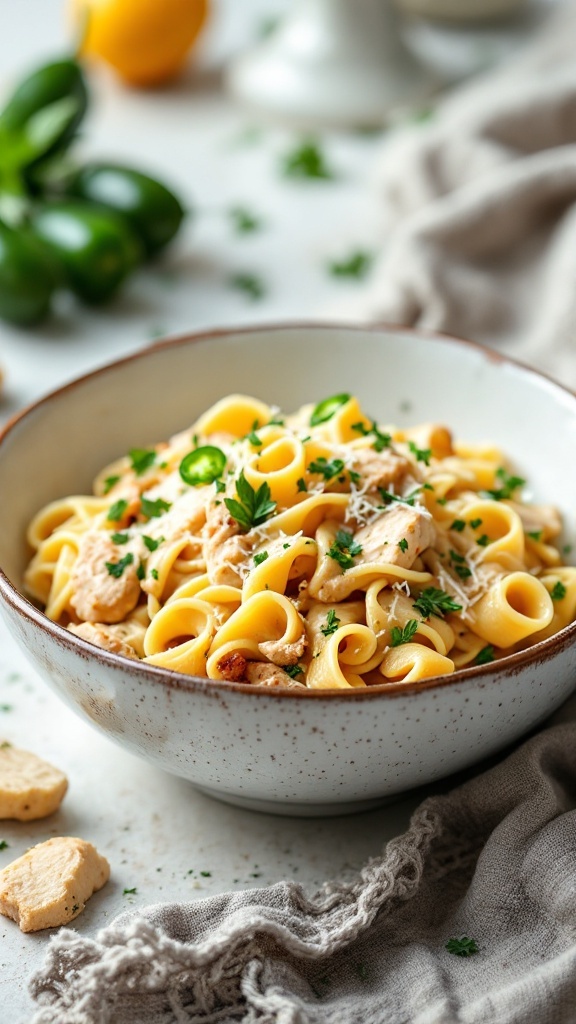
[(510, 665)]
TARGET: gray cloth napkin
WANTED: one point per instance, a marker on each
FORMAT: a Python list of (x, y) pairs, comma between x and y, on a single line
[(479, 209), (495, 861)]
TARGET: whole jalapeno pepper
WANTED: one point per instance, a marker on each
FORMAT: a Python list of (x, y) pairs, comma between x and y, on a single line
[(47, 85), (28, 277), (152, 210), (95, 245)]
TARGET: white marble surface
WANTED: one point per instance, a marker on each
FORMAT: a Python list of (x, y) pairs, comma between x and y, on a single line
[(161, 837)]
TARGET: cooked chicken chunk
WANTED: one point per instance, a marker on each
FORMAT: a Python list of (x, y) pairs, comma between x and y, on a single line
[(225, 547), (282, 653), (385, 469), (97, 594), (262, 674), (102, 636), (399, 536)]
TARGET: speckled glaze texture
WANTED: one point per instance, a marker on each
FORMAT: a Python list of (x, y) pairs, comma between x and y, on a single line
[(301, 752)]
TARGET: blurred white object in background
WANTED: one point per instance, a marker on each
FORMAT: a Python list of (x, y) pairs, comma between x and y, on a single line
[(332, 62)]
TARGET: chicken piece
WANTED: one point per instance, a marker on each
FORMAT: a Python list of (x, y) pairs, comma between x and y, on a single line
[(233, 666), (225, 548), (29, 787), (262, 674), (51, 883), (387, 469), (97, 594), (103, 636), (399, 536), (284, 653)]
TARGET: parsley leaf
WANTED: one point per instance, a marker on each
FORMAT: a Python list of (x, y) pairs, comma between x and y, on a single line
[(403, 636), (483, 541), (154, 574), (462, 947), (306, 161), (117, 510), (151, 542), (509, 485), (535, 535), (250, 508), (459, 565), (433, 601), (243, 220), (475, 523), (130, 892), (141, 570), (458, 525), (109, 483), (293, 670), (485, 656), (356, 265), (116, 569), (381, 440), (332, 623), (120, 538), (301, 484), (403, 544), (250, 284), (326, 469), (558, 591), (407, 499), (422, 454), (343, 550), (141, 459), (154, 509), (260, 557)]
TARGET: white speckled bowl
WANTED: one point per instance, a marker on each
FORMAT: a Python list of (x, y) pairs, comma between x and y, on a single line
[(299, 752)]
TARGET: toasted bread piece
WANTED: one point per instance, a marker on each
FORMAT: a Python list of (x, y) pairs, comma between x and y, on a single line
[(29, 787), (50, 884)]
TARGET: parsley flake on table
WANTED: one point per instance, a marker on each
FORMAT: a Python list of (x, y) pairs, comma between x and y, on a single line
[(433, 601), (130, 892), (117, 510), (109, 483), (422, 454), (250, 508), (485, 656), (462, 947), (343, 549), (357, 265), (116, 569), (558, 591), (509, 484), (244, 221), (306, 160), (403, 636), (250, 284), (154, 509), (4, 845), (325, 468), (141, 459), (332, 623)]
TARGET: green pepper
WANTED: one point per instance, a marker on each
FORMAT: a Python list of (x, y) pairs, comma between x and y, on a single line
[(28, 277), (96, 246), (325, 410), (202, 465), (154, 213), (59, 86)]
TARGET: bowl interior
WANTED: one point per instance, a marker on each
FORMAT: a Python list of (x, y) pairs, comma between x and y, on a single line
[(400, 376)]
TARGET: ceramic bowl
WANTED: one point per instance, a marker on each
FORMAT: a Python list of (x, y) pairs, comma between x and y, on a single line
[(300, 752)]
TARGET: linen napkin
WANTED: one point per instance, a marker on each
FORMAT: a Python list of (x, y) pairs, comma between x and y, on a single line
[(479, 211), (493, 862)]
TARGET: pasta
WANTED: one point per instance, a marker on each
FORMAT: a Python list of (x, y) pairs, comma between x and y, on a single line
[(318, 549)]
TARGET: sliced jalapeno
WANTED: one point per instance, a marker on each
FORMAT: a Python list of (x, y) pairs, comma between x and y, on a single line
[(325, 410), (203, 465)]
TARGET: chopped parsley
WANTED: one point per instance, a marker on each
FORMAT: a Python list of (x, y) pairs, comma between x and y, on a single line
[(408, 499), (332, 623), (154, 509), (293, 670), (381, 440), (151, 542), (356, 265), (206, 874), (4, 845), (422, 454), (141, 459), (483, 540), (130, 892), (306, 161), (458, 525), (260, 557), (116, 569), (117, 510), (243, 220), (475, 523), (141, 570), (509, 484), (301, 484), (462, 947), (326, 469), (109, 483), (558, 591), (441, 501), (343, 550), (253, 436), (403, 636), (485, 656), (250, 508), (433, 601), (250, 284), (154, 574), (535, 535), (325, 410), (220, 486), (403, 544), (120, 538)]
